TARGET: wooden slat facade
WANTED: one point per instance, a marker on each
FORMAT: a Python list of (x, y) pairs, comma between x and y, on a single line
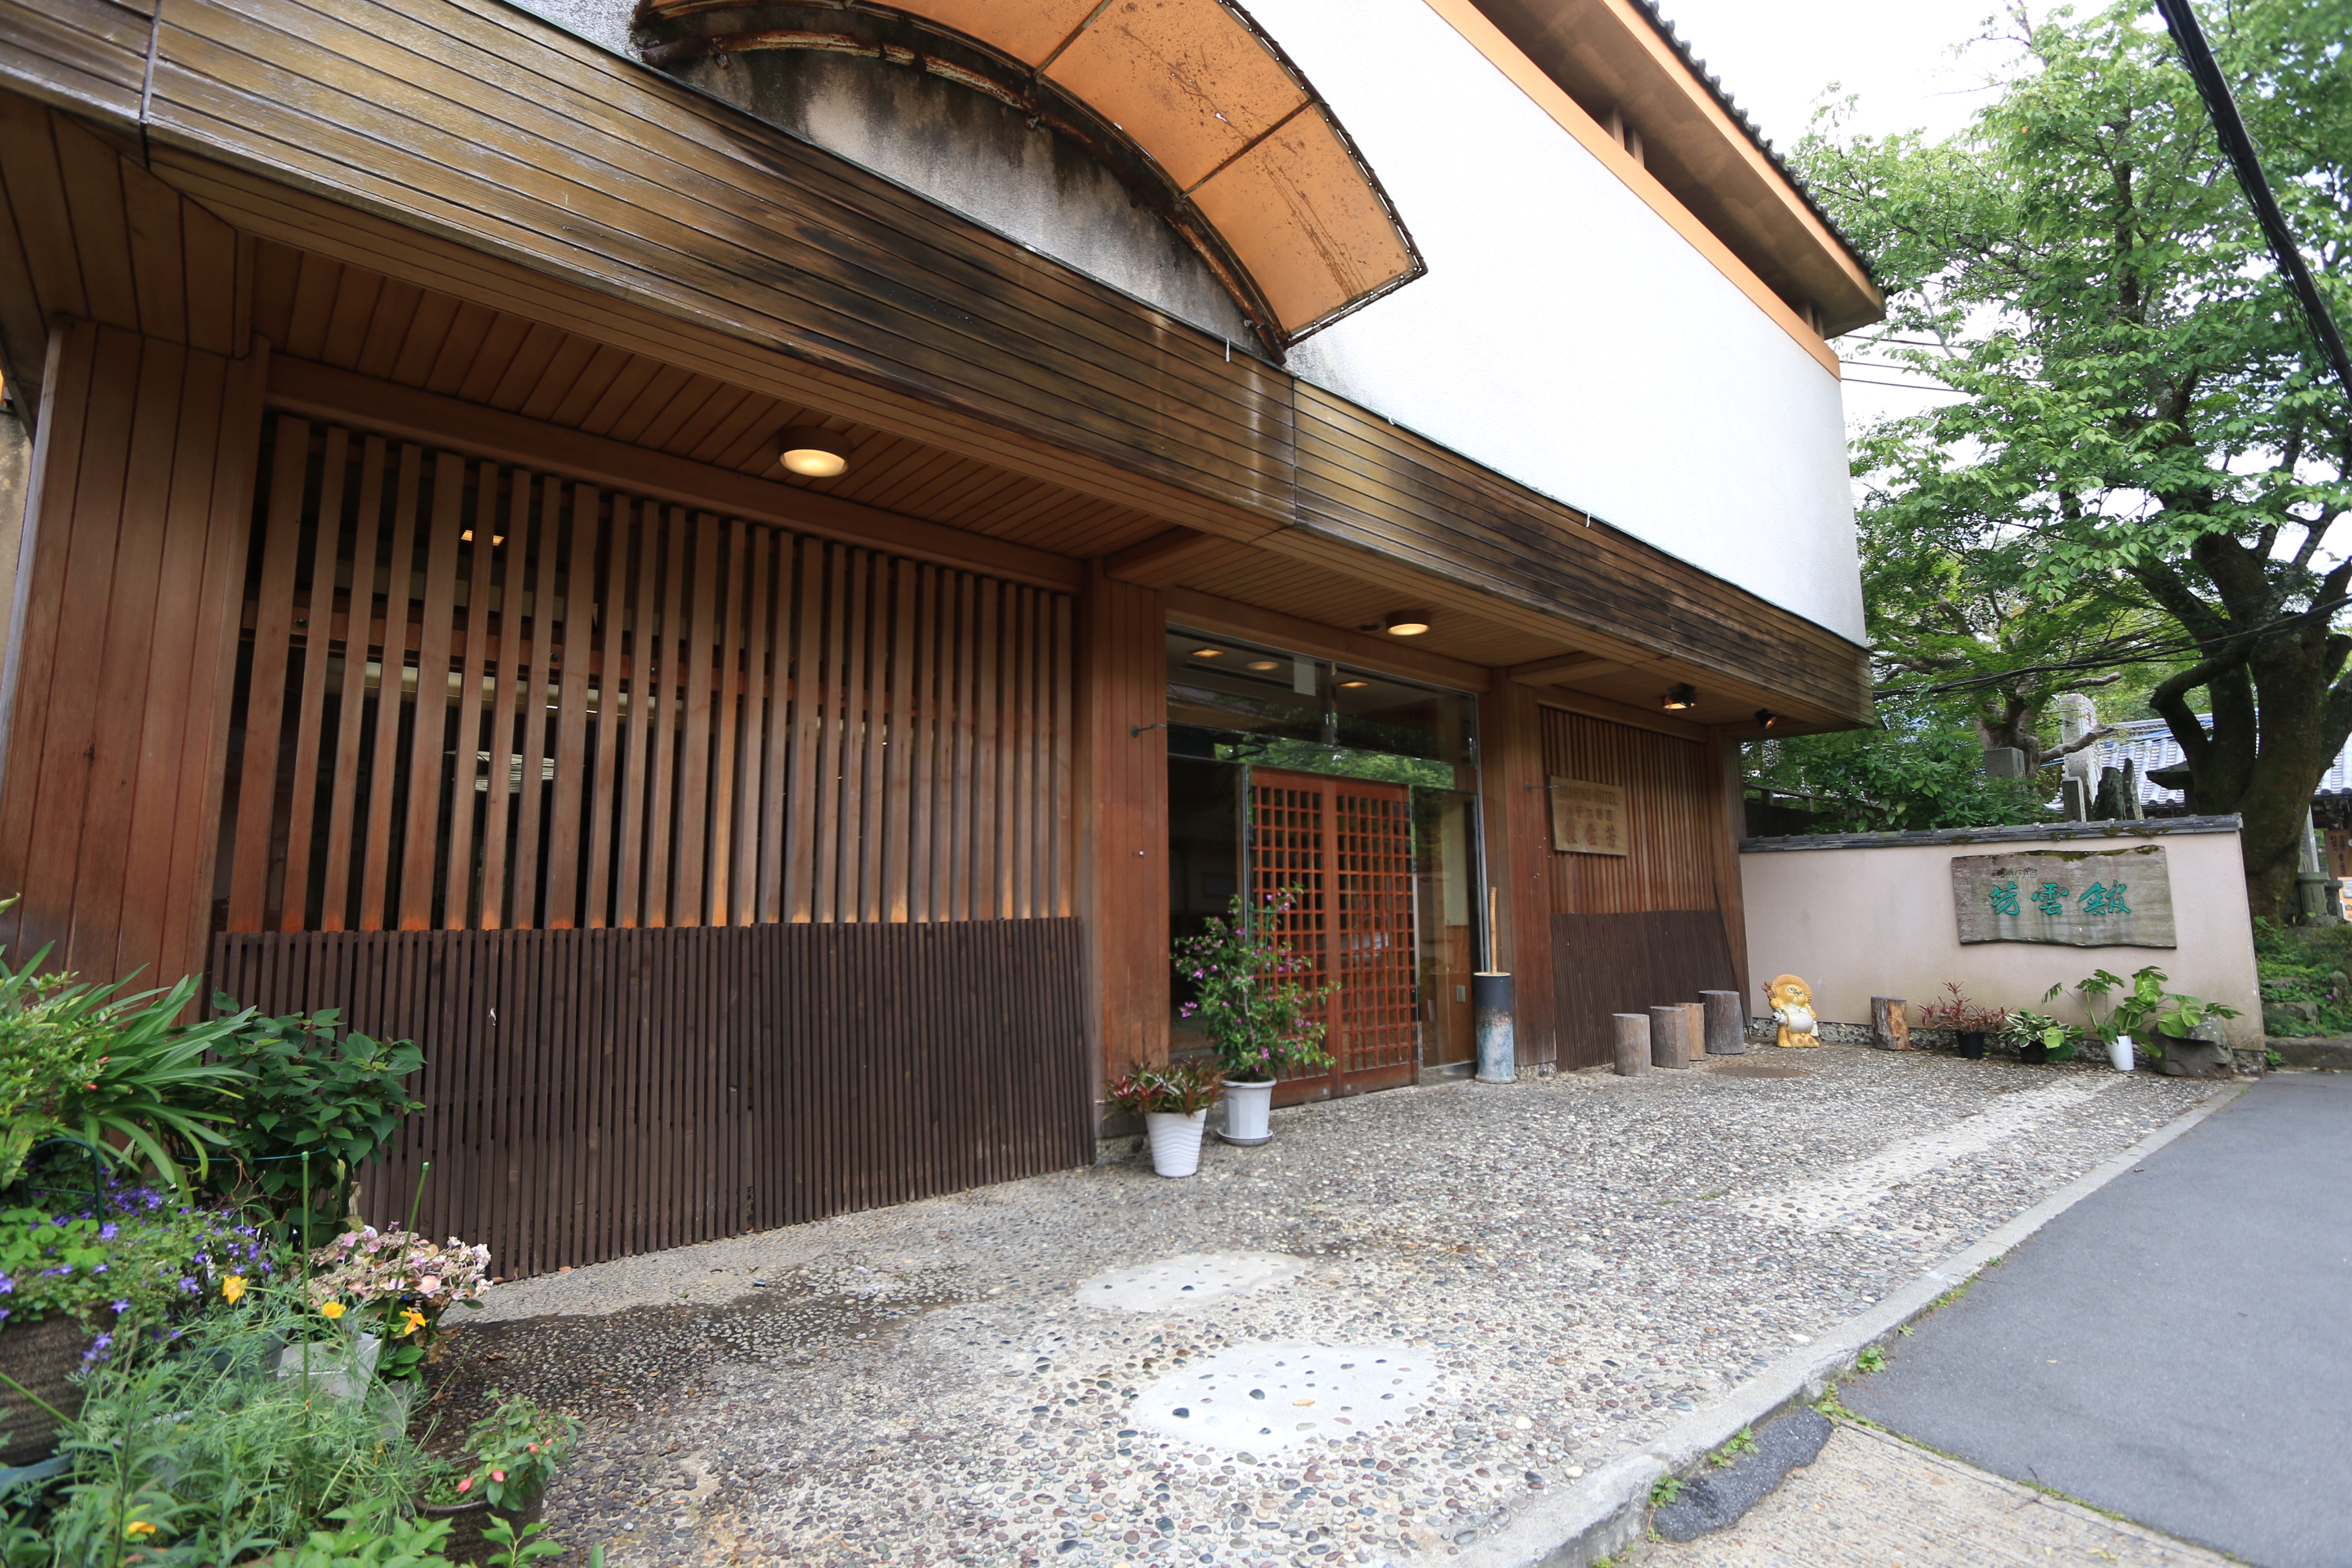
[(1612, 964), (591, 1094), (555, 705)]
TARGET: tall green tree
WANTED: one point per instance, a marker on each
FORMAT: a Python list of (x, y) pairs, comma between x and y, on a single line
[(2144, 412)]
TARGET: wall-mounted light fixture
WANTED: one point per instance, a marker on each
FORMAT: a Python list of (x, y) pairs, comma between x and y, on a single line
[(1406, 623), (1682, 695), (1766, 717), (813, 452)]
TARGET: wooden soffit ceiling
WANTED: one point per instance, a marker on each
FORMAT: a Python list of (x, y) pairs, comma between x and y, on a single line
[(1243, 144)]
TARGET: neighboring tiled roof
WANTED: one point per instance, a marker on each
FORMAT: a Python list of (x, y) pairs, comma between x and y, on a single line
[(2149, 742), (1739, 117)]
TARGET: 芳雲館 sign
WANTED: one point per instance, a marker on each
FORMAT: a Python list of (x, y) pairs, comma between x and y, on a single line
[(2106, 897)]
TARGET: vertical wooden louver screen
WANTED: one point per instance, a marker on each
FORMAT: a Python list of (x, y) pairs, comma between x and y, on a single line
[(477, 696)]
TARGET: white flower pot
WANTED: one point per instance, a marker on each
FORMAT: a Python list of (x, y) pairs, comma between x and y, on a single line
[(1249, 1108), (2119, 1051), (1175, 1141)]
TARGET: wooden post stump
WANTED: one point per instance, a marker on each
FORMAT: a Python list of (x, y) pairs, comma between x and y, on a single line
[(1670, 1045), (1890, 1023), (1727, 1023), (1633, 1043), (1695, 1032)]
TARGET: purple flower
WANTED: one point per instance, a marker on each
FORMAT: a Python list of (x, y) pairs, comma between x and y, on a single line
[(106, 1232), (187, 1285), (121, 1307), (8, 1286)]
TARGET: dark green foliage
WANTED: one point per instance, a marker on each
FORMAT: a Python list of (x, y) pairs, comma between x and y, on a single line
[(1923, 770), (2308, 969), (338, 1096), (2146, 430)]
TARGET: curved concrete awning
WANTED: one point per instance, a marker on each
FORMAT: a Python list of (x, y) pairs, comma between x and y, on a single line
[(1211, 101)]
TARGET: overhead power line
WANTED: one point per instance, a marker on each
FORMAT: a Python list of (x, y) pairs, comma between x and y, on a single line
[(2182, 17), (2125, 650)]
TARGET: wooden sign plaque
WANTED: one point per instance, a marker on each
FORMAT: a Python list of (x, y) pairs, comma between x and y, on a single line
[(2103, 897), (1589, 818)]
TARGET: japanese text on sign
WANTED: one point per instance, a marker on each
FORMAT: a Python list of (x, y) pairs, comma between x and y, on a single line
[(1589, 818), (2111, 897)]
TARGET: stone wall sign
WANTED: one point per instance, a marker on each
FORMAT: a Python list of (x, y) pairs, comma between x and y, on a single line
[(2107, 897)]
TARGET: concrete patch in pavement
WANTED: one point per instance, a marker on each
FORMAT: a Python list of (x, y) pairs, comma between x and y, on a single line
[(1716, 1499)]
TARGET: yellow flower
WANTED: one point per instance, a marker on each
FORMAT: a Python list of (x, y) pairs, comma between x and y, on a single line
[(138, 1529), (233, 1288), (410, 1322), (331, 1309)]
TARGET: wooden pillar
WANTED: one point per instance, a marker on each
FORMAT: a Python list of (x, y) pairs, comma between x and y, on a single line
[(121, 652), (1123, 821), (1518, 826), (1730, 813)]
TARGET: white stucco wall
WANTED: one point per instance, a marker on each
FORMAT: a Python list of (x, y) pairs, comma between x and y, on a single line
[(1566, 335), (1858, 924)]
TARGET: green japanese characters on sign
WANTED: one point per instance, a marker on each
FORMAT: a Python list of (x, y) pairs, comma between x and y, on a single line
[(2101, 898)]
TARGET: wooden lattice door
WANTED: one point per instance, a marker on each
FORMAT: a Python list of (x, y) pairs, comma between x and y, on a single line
[(1346, 845)]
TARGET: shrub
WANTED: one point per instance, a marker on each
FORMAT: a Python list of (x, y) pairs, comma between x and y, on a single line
[(115, 1071), (192, 1450), (1254, 1003), (335, 1097), (516, 1450)]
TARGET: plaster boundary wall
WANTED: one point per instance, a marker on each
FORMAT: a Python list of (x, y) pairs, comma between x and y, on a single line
[(1870, 914)]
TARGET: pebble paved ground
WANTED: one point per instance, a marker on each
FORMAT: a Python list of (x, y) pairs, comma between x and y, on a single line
[(1578, 1260), (1871, 1501)]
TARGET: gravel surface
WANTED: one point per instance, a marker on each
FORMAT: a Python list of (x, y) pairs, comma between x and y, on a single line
[(1577, 1260)]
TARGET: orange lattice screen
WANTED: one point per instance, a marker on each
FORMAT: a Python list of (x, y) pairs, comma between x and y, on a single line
[(1346, 845)]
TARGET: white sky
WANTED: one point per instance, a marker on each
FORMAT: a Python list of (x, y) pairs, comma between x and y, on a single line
[(1778, 63)]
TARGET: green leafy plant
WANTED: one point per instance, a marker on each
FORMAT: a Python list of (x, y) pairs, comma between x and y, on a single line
[(2095, 992), (2170, 1014), (372, 1535), (514, 1550), (2026, 1028), (115, 1070), (1179, 1088), (337, 1096), (1256, 999), (2273, 1058), (514, 1452), (1664, 1491), (1872, 1358), (191, 1448), (1740, 1442)]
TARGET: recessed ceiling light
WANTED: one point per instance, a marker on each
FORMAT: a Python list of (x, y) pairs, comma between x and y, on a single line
[(1208, 653), (1406, 623), (813, 452), (1353, 685), (1681, 696), (1766, 717), (495, 538), (1263, 664)]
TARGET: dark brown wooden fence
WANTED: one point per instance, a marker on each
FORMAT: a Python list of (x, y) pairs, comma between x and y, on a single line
[(1628, 963), (591, 1094)]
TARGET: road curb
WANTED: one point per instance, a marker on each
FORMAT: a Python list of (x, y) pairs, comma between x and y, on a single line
[(1608, 1509)]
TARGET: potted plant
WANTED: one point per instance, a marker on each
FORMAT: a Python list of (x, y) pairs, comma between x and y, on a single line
[(1257, 1006), (1174, 1103), (2172, 1027), (397, 1285), (512, 1455), (2038, 1038), (1968, 1023), (2103, 1023)]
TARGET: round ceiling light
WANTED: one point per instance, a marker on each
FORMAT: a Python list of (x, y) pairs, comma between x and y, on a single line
[(1406, 623), (1208, 653), (1353, 685), (812, 452), (1680, 697), (1263, 664)]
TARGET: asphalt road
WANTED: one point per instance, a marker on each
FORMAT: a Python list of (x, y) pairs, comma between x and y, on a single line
[(2173, 1348)]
